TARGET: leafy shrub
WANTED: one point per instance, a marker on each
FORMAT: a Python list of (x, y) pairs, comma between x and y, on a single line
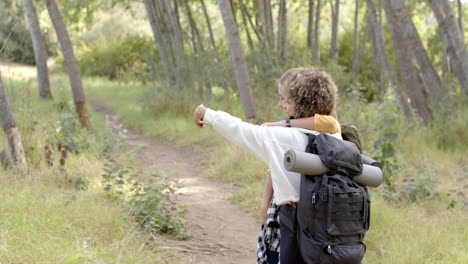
[(152, 203), (122, 58)]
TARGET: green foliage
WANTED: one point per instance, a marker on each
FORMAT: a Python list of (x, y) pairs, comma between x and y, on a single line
[(152, 204), (122, 58)]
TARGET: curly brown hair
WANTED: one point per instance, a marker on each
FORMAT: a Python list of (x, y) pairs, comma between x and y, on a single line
[(313, 91)]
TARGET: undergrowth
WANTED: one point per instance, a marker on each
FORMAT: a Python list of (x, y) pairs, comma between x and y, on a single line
[(58, 209)]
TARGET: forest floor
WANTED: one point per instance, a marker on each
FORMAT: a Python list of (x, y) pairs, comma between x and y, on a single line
[(220, 231)]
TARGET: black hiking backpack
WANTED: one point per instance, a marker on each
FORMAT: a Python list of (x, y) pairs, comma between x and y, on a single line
[(333, 213)]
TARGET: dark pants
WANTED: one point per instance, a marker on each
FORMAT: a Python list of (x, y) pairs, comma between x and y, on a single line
[(272, 256), (289, 249)]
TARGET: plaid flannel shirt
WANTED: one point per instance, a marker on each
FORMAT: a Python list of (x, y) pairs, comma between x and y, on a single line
[(269, 234)]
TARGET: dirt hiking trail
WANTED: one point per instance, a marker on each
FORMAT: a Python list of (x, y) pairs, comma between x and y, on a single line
[(221, 232)]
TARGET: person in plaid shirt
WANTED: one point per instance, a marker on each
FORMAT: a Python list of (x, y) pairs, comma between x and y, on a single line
[(269, 235), (311, 92)]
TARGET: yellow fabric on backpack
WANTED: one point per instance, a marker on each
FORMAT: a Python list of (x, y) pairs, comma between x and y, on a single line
[(326, 124)]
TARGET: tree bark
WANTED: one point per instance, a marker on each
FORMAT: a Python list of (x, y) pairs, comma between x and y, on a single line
[(455, 45), (150, 7), (178, 46), (238, 60), (355, 65), (40, 53), (460, 18), (282, 32), (71, 64), (208, 24), (429, 75), (316, 46), (197, 41), (334, 36), (267, 24), (408, 72), (246, 26), (310, 25), (378, 36), (8, 122)]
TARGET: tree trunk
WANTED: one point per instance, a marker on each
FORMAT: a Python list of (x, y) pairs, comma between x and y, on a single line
[(249, 19), (378, 36), (246, 26), (310, 25), (282, 32), (158, 38), (460, 18), (355, 65), (429, 75), (334, 37), (267, 24), (178, 46), (238, 60), (456, 48), (208, 24), (10, 129), (40, 53), (316, 46), (197, 41), (408, 72), (71, 64)]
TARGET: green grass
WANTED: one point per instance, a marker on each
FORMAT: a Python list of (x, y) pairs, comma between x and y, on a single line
[(401, 232), (45, 218), (41, 213)]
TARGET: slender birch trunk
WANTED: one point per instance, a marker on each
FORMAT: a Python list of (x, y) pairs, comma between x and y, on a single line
[(178, 45), (282, 32), (158, 38), (310, 24), (334, 36), (429, 75), (355, 65), (377, 31), (8, 122), (71, 64), (408, 72), (40, 53), (208, 24), (238, 60), (460, 18), (455, 45), (316, 46)]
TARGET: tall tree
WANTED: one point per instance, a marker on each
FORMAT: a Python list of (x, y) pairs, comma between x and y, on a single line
[(266, 19), (310, 25), (181, 73), (355, 65), (282, 31), (196, 38), (40, 53), (454, 43), (208, 24), (335, 22), (460, 17), (246, 25), (71, 64), (316, 46), (408, 73), (429, 75), (238, 60), (163, 49), (8, 122), (378, 37)]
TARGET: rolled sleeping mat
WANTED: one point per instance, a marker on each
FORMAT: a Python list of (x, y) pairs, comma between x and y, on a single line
[(311, 164)]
